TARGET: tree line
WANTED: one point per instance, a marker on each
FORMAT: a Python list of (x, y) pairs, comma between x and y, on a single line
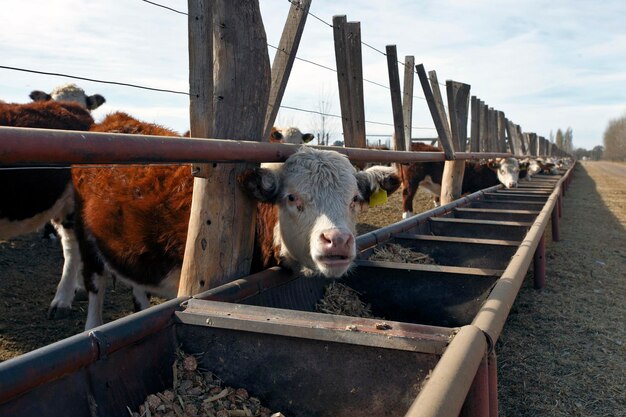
[(615, 140)]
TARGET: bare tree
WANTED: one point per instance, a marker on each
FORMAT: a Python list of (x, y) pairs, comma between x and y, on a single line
[(324, 125)]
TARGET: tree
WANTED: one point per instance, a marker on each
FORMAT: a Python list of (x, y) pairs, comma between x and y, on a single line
[(615, 140), (568, 140), (596, 152), (324, 124), (559, 139)]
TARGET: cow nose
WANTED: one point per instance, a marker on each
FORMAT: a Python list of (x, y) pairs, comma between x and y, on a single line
[(512, 184), (335, 238)]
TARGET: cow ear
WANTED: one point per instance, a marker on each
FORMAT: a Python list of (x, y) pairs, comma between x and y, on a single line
[(276, 136), (260, 183), (493, 164), (377, 178), (307, 137), (95, 101), (38, 95)]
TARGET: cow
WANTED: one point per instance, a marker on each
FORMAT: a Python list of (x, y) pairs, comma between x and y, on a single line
[(72, 93), (529, 167), (289, 135), (39, 196), (428, 176), (132, 221)]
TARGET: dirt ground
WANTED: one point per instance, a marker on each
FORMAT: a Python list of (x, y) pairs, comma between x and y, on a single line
[(562, 351)]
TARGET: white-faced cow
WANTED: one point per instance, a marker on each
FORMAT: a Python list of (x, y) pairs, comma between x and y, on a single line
[(39, 196), (133, 220), (428, 176), (289, 135), (70, 93)]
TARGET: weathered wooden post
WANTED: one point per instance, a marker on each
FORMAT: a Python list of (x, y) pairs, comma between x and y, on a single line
[(396, 99), (474, 145), (437, 111), (283, 60), (452, 134), (221, 227), (501, 132), (453, 171), (348, 56), (407, 99), (483, 132)]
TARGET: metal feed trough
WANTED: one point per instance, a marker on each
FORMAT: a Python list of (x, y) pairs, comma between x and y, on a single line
[(432, 356)]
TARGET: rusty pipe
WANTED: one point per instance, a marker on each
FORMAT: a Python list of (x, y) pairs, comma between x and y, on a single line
[(444, 392), (48, 147)]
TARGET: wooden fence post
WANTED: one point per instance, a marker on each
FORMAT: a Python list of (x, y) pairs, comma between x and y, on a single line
[(283, 60), (501, 131), (523, 140), (453, 171), (437, 110), (396, 98), (407, 101), (492, 144), (474, 145), (514, 140), (483, 132), (221, 227), (347, 37)]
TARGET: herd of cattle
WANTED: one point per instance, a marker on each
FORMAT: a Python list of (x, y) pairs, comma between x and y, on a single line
[(131, 222)]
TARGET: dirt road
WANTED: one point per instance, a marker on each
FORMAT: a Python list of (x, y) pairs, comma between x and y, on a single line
[(563, 349)]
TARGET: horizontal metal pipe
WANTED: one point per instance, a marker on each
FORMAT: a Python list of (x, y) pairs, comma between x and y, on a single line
[(494, 312), (47, 147), (66, 356), (444, 392)]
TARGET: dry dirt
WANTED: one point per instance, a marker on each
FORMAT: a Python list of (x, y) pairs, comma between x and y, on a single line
[(562, 352)]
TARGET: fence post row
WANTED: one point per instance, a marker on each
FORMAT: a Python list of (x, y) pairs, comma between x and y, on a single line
[(283, 60), (347, 37), (219, 208)]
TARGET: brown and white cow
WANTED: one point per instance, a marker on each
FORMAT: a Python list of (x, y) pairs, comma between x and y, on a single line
[(289, 135), (42, 195), (70, 93), (477, 176), (132, 221)]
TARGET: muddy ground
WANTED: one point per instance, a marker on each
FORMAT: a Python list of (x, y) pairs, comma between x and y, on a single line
[(562, 351)]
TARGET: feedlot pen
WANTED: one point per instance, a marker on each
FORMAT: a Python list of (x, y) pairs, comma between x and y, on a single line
[(429, 352)]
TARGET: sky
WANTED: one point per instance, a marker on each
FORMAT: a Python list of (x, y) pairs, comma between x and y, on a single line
[(547, 65)]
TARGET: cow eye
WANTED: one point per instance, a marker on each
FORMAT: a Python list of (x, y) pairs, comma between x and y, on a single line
[(355, 198), (291, 198)]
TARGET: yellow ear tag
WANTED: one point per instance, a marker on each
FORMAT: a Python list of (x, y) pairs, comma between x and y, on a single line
[(378, 198)]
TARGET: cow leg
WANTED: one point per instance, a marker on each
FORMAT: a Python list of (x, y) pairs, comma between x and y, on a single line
[(61, 304), (141, 300), (97, 289), (408, 193)]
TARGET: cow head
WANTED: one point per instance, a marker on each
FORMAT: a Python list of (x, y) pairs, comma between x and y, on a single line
[(319, 195), (289, 135), (507, 170), (70, 92)]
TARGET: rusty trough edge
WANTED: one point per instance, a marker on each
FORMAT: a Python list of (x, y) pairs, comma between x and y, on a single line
[(494, 312), (48, 363), (49, 147), (444, 392)]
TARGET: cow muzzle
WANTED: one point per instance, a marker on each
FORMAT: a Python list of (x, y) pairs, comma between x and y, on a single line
[(334, 252)]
